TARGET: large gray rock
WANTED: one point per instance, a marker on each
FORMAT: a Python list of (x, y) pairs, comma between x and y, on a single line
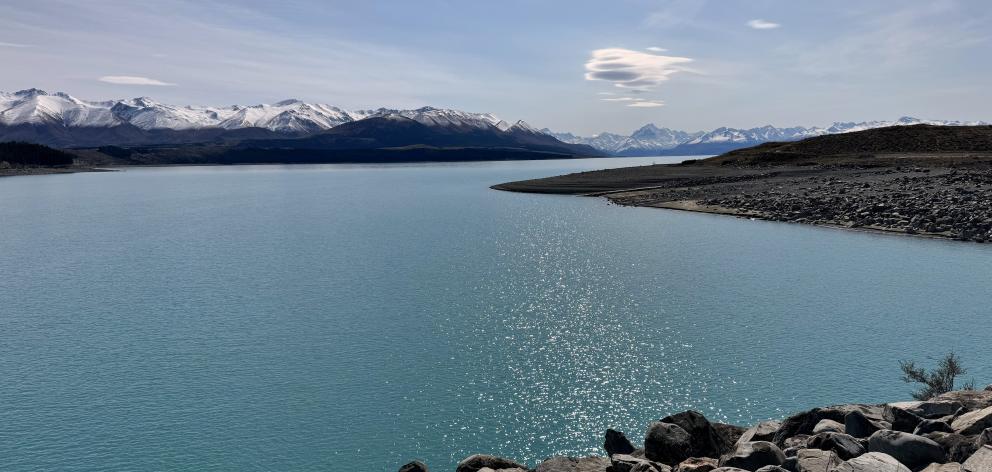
[(857, 424), (957, 447), (872, 462), (753, 455), (706, 441), (816, 460), (984, 439), (948, 467), (772, 468), (697, 464), (844, 445), (980, 461), (911, 450), (932, 426), (900, 419), (828, 426), (667, 443), (728, 469), (971, 399), (617, 443), (803, 423), (574, 464), (931, 408), (477, 462), (415, 466), (763, 431), (973, 422), (628, 463), (730, 433)]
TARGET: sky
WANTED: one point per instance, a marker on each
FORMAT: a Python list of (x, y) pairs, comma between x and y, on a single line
[(579, 66)]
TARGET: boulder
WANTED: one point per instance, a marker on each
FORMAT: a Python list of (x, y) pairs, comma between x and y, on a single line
[(971, 399), (930, 408), (772, 468), (816, 460), (627, 463), (728, 469), (415, 466), (956, 447), (753, 455), (984, 439), (948, 467), (667, 443), (763, 431), (980, 461), (857, 424), (872, 462), (730, 432), (844, 445), (911, 450), (930, 426), (706, 441), (697, 464), (803, 423), (901, 419), (477, 462), (828, 426), (574, 464), (617, 443), (798, 441), (973, 422)]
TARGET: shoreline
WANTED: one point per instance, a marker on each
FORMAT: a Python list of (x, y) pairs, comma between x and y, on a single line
[(951, 432), (937, 196), (51, 171)]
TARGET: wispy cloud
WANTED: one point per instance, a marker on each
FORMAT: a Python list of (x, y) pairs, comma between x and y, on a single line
[(760, 24), (133, 80), (656, 49), (14, 45), (633, 70), (647, 104)]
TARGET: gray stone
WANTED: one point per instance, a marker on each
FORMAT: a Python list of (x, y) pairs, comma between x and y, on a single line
[(477, 462), (901, 419), (753, 455), (728, 469), (948, 467), (872, 462), (844, 445), (803, 423), (984, 439), (667, 443), (574, 464), (415, 466), (617, 443), (860, 426), (931, 426), (628, 463), (980, 461), (828, 426), (973, 422), (971, 399), (730, 433), (957, 447), (771, 468), (763, 431), (706, 441), (911, 450), (816, 460), (697, 464), (931, 408)]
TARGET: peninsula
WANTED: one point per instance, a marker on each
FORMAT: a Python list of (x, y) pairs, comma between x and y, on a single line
[(922, 180)]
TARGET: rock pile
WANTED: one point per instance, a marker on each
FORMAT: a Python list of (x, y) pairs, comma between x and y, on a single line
[(950, 433)]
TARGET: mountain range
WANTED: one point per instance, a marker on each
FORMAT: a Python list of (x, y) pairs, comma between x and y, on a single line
[(651, 140), (61, 120)]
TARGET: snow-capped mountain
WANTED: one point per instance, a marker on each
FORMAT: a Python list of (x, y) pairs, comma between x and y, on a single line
[(652, 140), (37, 107)]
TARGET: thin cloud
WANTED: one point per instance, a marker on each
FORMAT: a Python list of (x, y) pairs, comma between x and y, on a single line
[(133, 80), (619, 99), (656, 49), (633, 70), (647, 104), (760, 24), (14, 45)]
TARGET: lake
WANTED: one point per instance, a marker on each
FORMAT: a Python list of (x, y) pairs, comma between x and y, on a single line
[(353, 318)]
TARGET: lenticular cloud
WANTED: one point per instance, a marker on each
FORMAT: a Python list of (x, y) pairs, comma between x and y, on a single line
[(634, 70)]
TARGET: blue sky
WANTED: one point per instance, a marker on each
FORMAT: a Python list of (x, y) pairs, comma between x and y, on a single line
[(578, 66)]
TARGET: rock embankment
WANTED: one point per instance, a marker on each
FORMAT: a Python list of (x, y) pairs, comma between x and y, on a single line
[(949, 433)]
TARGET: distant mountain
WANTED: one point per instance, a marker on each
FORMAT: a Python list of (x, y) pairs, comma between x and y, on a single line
[(651, 140)]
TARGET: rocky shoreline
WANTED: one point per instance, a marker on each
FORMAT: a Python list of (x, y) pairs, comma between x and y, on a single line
[(949, 433)]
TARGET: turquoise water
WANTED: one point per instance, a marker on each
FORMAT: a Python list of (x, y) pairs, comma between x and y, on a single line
[(352, 318)]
